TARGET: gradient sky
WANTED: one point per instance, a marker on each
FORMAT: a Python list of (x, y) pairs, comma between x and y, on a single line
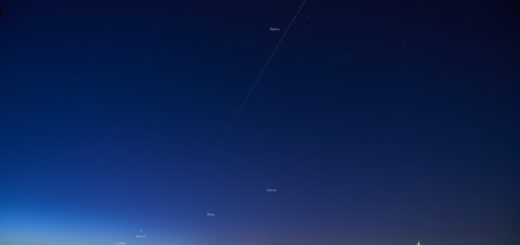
[(378, 122)]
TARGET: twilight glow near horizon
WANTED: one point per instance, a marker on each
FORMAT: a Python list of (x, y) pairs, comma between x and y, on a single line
[(317, 122)]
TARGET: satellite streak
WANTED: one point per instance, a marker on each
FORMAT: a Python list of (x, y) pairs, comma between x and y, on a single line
[(255, 83)]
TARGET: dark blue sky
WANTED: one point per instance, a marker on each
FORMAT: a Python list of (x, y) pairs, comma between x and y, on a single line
[(377, 122)]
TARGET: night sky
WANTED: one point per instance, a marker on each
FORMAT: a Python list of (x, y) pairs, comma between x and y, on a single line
[(375, 122)]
